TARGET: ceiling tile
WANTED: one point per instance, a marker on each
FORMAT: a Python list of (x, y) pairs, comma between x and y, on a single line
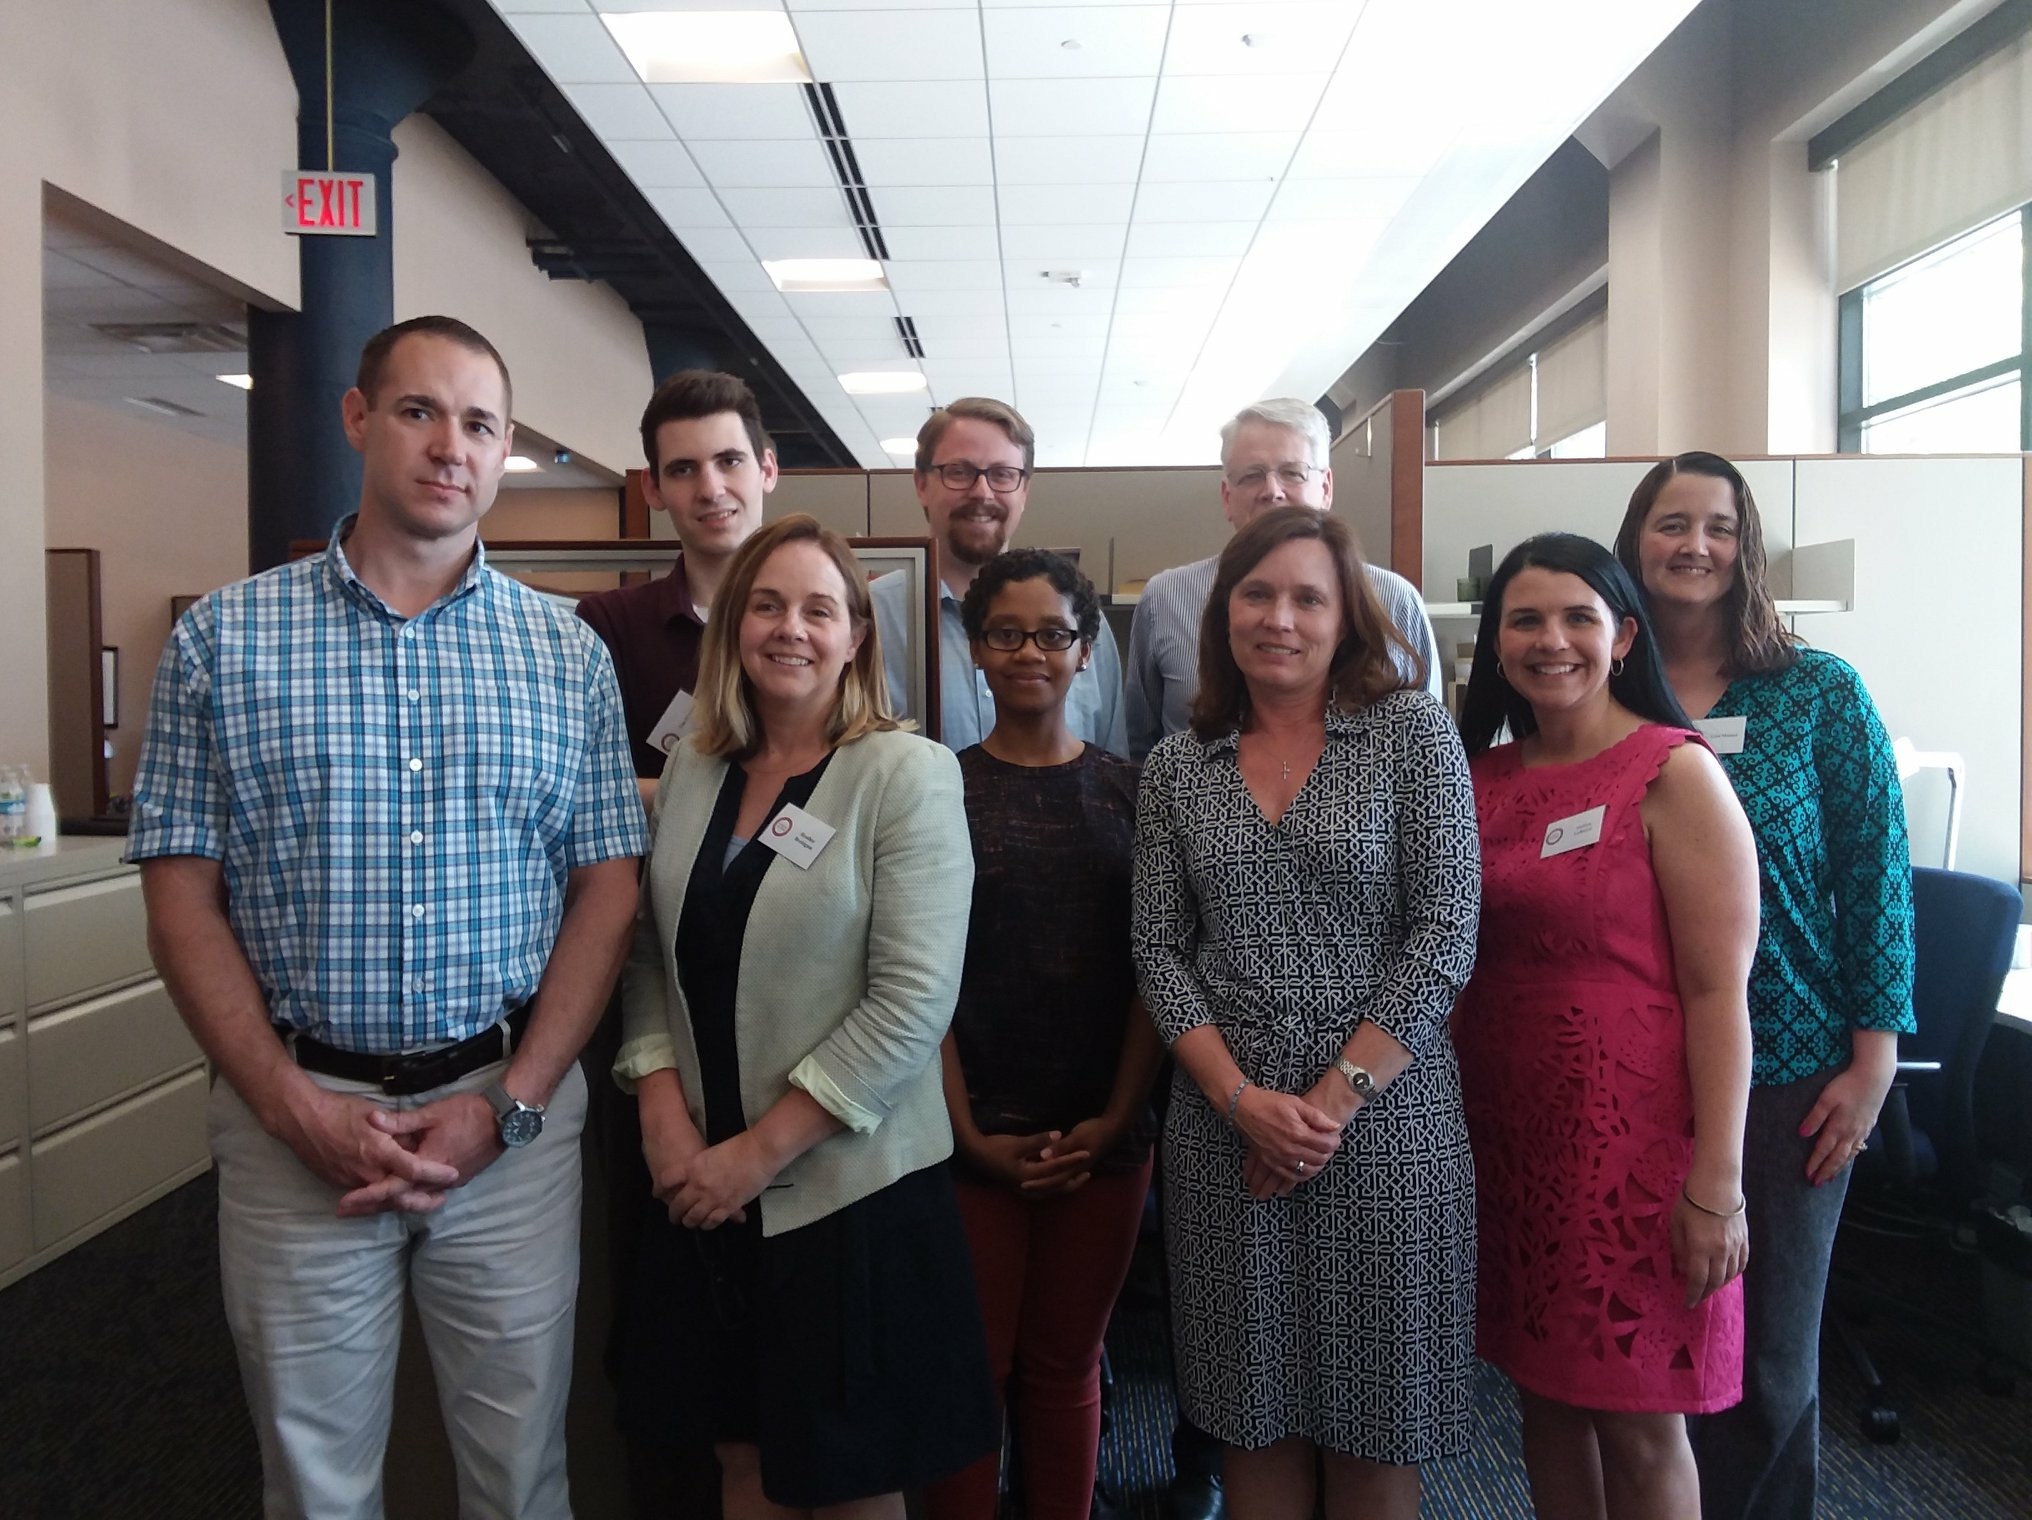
[(876, 336), (778, 331), (688, 208), (1333, 200), (1204, 103), (1191, 239), (1032, 274), (714, 243), (787, 208), (765, 164), (1107, 41), (942, 206), (890, 45), (1038, 302), (907, 276), (1347, 154), (1175, 303), (838, 242), (738, 274), (920, 108), (1232, 200), (532, 7), (800, 7), (1068, 160), (711, 112), (1177, 271), (982, 347), (924, 161), (657, 165), (574, 49), (1070, 107), (877, 306), (757, 303), (618, 112), (1060, 243), (942, 242), (624, 7), (1047, 205), (947, 303), (1288, 36), (1219, 155)]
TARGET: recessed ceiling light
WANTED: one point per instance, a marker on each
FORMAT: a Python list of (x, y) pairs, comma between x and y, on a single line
[(882, 382), (520, 464), (902, 448), (238, 382), (710, 47), (795, 275)]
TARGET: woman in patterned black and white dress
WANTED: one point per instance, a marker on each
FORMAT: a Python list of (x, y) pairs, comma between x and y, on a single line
[(1306, 891)]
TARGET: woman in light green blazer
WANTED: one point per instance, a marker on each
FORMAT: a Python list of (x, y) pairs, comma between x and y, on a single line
[(795, 968)]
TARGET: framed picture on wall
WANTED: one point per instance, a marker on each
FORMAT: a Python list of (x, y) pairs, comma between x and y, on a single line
[(565, 571)]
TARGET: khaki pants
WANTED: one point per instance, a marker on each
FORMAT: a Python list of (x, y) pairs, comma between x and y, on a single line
[(315, 1305)]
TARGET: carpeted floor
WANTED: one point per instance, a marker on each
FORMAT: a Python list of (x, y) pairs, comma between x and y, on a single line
[(120, 1399)]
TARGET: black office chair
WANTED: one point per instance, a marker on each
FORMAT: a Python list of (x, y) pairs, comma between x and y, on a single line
[(1924, 1171)]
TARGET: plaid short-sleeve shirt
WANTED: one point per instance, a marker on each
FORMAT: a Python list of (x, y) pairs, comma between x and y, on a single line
[(396, 801)]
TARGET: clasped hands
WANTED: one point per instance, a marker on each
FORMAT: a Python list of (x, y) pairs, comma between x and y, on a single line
[(391, 1160), (703, 1186), (1050, 1163), (1287, 1139)]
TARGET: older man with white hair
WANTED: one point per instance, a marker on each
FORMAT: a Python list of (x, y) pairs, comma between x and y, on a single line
[(1273, 454)]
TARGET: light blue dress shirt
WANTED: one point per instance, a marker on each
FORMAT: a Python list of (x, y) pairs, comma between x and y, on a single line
[(1093, 707)]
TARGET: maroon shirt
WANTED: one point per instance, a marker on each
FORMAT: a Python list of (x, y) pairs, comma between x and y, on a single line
[(653, 635)]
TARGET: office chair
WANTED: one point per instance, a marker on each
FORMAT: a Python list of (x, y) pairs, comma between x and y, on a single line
[(1925, 1170)]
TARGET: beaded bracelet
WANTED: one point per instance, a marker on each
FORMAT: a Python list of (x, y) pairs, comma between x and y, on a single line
[(1236, 1097), (1715, 1213)]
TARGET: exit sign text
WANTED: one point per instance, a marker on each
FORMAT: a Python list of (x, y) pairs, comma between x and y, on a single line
[(316, 204)]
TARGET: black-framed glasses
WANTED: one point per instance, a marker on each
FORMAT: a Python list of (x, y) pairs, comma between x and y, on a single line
[(1009, 640), (1292, 475), (961, 477)]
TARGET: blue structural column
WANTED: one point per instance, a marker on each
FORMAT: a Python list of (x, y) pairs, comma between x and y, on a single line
[(387, 57)]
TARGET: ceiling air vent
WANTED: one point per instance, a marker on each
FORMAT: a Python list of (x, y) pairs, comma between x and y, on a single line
[(175, 337)]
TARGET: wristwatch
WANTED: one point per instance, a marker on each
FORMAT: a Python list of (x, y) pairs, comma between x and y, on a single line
[(520, 1122), (1363, 1084)]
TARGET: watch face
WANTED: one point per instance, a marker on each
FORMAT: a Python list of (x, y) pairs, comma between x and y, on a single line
[(521, 1126)]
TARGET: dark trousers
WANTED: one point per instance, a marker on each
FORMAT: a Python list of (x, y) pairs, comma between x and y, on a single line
[(1761, 1459)]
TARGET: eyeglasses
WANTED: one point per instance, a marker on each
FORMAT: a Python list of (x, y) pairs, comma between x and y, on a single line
[(961, 477), (1050, 640), (1291, 476)]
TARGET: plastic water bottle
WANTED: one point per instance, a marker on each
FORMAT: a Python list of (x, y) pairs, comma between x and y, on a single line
[(13, 803)]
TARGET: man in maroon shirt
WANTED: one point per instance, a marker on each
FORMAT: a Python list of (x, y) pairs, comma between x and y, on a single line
[(710, 466)]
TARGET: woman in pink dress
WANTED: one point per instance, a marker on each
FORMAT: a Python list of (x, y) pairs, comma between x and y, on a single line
[(1604, 1039)]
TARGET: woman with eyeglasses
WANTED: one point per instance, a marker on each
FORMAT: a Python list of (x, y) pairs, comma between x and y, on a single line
[(793, 974), (1050, 1060), (1306, 888), (1604, 1043), (1831, 987)]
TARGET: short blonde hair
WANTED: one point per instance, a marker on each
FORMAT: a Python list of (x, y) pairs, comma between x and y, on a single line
[(728, 725)]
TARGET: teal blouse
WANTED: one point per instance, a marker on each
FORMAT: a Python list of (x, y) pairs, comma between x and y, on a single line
[(1820, 785)]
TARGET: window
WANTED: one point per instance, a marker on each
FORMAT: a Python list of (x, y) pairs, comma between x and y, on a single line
[(1549, 405), (1934, 352)]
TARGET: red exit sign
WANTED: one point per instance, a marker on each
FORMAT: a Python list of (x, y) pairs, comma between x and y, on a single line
[(318, 204)]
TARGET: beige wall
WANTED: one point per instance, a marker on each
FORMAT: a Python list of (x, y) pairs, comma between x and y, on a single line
[(178, 119), (526, 514), (168, 514)]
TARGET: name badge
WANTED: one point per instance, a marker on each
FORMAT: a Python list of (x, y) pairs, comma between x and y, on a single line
[(796, 835), (674, 724), (1575, 833), (1724, 735)]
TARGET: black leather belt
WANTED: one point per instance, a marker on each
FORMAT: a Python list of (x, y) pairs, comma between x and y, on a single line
[(418, 1071)]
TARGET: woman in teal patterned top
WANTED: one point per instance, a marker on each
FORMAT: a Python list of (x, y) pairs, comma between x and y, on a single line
[(1831, 989)]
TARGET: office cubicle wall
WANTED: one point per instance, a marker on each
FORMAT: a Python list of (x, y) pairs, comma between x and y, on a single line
[(1379, 480), (1936, 610)]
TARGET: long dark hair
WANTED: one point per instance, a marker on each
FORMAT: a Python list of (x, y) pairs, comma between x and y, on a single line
[(1491, 702), (1363, 665), (1757, 641)]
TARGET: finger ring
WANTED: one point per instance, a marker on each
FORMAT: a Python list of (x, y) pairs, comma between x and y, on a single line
[(1861, 1146), (1301, 1168)]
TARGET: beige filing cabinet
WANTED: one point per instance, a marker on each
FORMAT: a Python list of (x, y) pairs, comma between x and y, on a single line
[(102, 1090)]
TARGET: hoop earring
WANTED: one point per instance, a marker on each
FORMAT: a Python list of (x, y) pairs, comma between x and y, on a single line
[(1615, 667), (1499, 670)]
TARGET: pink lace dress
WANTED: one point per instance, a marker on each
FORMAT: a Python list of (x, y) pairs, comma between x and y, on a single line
[(1572, 1052)]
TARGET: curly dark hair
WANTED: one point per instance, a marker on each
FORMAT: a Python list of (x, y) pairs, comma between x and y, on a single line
[(1758, 641), (1030, 565)]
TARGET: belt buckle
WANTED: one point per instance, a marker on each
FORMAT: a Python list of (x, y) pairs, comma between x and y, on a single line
[(419, 1073)]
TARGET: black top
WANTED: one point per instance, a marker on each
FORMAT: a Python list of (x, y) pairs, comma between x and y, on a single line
[(709, 935), (653, 633), (1046, 994)]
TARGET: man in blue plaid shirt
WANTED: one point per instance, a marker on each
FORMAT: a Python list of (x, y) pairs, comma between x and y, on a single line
[(388, 828)]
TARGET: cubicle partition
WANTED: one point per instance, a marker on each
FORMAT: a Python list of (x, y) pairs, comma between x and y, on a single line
[(1912, 569)]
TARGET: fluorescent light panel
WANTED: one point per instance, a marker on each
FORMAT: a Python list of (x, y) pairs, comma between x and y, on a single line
[(709, 47), (901, 448), (520, 464), (238, 382), (794, 276), (882, 382)]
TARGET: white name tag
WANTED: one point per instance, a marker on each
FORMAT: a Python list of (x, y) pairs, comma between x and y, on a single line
[(674, 724), (796, 835), (1724, 735), (1575, 833)]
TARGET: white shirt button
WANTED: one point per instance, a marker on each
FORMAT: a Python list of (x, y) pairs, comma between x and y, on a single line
[(417, 911), (414, 693), (409, 630), (416, 836), (417, 985), (416, 765)]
